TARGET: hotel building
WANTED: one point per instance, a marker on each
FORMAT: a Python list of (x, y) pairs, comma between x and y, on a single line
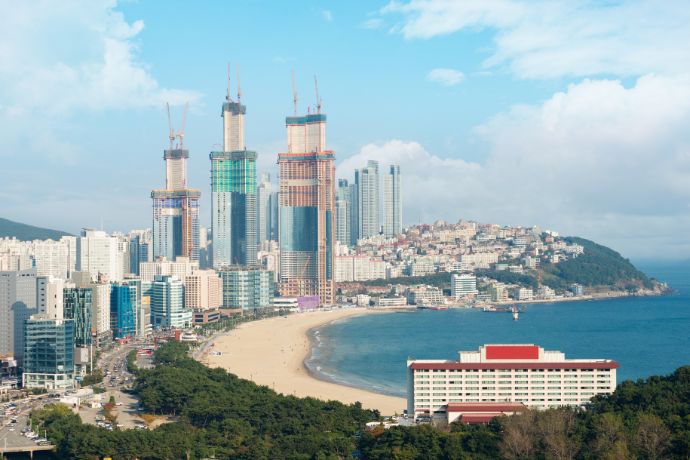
[(525, 374)]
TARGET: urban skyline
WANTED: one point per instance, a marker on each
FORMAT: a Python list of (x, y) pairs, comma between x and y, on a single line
[(506, 118)]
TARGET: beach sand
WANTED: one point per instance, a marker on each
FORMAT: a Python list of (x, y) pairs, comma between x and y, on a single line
[(272, 351)]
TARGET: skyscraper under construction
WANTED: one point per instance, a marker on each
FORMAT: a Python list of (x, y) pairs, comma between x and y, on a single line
[(233, 187), (307, 205), (176, 207)]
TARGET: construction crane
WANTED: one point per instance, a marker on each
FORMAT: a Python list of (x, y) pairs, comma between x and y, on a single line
[(318, 99), (294, 92), (227, 96), (171, 132), (239, 87), (180, 132)]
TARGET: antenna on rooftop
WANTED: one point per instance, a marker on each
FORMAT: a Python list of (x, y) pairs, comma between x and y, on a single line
[(294, 92), (318, 99)]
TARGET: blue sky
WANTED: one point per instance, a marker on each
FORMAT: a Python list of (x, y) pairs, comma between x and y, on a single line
[(571, 115)]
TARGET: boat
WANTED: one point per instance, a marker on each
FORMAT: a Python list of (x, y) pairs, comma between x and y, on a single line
[(432, 307), (515, 313)]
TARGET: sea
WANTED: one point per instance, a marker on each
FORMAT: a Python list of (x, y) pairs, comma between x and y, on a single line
[(646, 335)]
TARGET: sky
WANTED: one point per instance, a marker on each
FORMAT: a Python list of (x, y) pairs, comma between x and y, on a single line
[(571, 115)]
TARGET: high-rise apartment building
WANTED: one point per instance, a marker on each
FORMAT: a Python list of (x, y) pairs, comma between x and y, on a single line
[(369, 200), (180, 267), (97, 253), (233, 187), (203, 290), (49, 296), (343, 209), (307, 210), (354, 211), (392, 202), (167, 304), (266, 224), (17, 303), (176, 208), (48, 352)]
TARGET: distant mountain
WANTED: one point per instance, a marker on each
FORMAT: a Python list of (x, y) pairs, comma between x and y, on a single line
[(26, 232)]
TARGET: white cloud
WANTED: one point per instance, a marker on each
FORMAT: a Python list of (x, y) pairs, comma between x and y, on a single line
[(547, 38), (59, 58), (327, 15), (600, 160), (445, 77)]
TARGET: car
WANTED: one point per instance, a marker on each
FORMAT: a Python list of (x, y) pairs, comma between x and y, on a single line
[(11, 429)]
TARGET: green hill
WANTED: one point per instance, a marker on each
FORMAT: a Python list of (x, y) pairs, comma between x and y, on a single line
[(26, 232), (598, 266)]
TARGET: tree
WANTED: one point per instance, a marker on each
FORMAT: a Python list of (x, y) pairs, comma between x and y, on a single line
[(652, 436), (518, 440)]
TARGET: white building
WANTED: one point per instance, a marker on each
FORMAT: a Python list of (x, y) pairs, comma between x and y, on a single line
[(358, 268), (480, 259), (180, 268), (50, 297), (97, 253), (463, 285), (525, 374)]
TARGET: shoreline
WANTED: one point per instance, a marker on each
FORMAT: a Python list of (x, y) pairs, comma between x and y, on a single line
[(273, 351)]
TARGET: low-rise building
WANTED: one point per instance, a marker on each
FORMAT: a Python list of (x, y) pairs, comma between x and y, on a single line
[(48, 352)]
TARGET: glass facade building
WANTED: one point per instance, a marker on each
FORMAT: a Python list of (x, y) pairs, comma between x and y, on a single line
[(78, 306), (247, 288), (48, 352), (123, 310), (234, 213)]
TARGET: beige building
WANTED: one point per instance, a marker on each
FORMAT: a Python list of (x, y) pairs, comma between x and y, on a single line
[(203, 290), (180, 268)]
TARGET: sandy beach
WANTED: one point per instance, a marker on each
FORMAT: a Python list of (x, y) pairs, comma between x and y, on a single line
[(271, 352)]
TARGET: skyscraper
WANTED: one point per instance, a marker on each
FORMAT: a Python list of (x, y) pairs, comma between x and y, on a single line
[(392, 202), (343, 209), (233, 187), (176, 208), (369, 200), (264, 220), (307, 205), (354, 210)]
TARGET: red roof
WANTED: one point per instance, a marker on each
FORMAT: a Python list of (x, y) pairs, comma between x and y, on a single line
[(479, 418), (516, 365), (486, 407), (512, 352)]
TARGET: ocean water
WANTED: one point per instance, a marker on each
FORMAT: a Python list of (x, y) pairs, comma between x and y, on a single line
[(646, 335)]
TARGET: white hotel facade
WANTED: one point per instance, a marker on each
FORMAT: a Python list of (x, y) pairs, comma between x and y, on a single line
[(525, 374)]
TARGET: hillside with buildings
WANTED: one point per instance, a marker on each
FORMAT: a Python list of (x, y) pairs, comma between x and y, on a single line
[(468, 263)]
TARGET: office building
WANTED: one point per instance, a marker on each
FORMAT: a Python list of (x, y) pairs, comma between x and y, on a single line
[(97, 253), (392, 203), (123, 310), (307, 206), (18, 301), (167, 304), (176, 208), (203, 290), (525, 374), (247, 288), (48, 352), (78, 306), (343, 209), (369, 200), (463, 285), (233, 187)]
